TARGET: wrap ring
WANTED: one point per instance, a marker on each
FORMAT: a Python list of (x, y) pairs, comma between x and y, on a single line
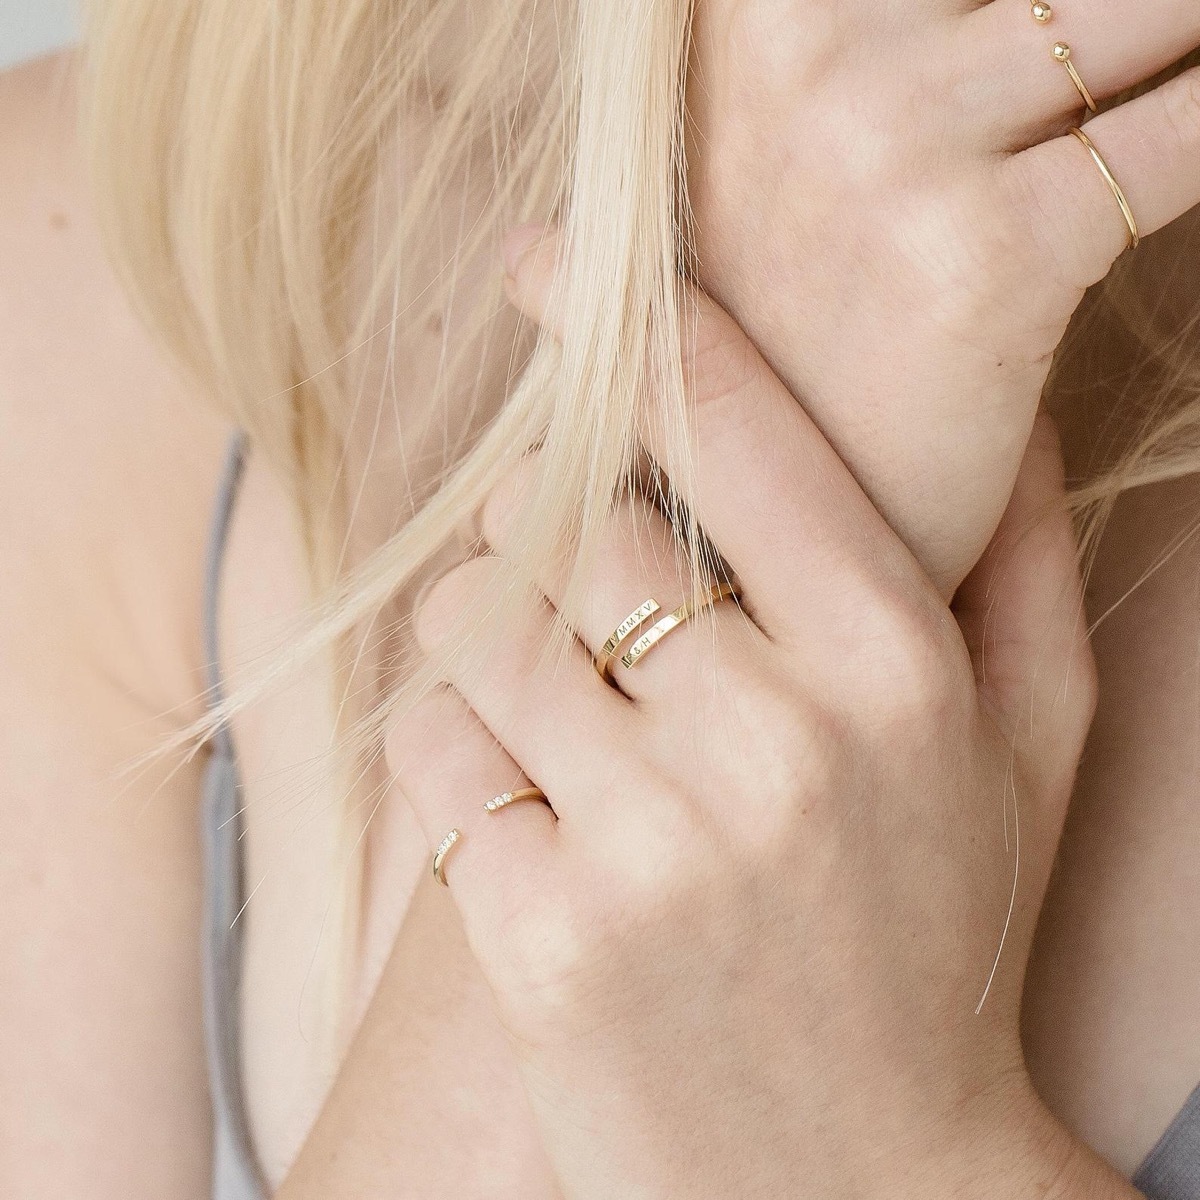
[(604, 658)]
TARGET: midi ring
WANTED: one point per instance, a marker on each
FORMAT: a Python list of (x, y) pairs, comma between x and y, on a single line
[(1126, 211), (439, 855), (496, 803), (658, 631), (1062, 52)]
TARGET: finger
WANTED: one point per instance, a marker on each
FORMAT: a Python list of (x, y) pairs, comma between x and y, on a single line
[(1115, 45), (1152, 147), (638, 558), (554, 716), (801, 536), (1022, 615), (447, 765)]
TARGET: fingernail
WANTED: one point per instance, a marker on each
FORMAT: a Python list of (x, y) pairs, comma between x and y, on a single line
[(517, 244)]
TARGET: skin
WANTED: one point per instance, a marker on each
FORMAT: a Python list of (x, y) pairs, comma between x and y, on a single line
[(409, 1023)]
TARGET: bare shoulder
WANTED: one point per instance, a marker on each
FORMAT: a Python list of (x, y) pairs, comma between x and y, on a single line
[(107, 465), (107, 470)]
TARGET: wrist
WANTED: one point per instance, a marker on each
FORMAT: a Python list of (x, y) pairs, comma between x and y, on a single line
[(1012, 1147)]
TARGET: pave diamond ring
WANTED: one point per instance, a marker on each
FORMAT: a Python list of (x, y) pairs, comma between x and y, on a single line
[(439, 855), (496, 803)]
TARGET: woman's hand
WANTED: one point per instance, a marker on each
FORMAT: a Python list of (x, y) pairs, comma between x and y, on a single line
[(889, 203), (744, 953)]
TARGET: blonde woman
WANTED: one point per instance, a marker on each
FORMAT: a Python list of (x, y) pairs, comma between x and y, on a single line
[(588, 455)]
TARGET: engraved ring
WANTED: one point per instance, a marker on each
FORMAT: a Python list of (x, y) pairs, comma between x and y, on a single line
[(607, 654)]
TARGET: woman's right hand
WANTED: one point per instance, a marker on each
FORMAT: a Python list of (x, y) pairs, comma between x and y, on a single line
[(889, 203)]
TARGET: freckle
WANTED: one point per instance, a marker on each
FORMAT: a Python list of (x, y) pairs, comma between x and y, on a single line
[(58, 220), (435, 323)]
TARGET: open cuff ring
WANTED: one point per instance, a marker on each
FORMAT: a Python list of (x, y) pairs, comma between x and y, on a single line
[(439, 855), (1062, 52)]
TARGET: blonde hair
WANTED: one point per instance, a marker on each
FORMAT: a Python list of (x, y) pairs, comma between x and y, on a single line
[(236, 184), (239, 182)]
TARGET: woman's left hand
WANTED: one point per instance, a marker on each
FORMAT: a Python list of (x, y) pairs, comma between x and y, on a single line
[(744, 953)]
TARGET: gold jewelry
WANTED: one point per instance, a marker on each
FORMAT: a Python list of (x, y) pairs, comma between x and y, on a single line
[(496, 803), (658, 631), (439, 855), (1126, 211), (603, 660), (1042, 13), (1062, 52)]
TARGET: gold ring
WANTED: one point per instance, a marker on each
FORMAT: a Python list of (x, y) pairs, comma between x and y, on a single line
[(658, 631), (1126, 211), (1062, 52), (439, 855), (496, 803), (604, 658)]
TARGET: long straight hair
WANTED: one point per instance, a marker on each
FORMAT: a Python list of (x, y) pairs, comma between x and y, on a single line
[(237, 185)]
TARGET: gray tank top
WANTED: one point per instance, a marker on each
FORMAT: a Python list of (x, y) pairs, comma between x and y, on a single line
[(1171, 1171)]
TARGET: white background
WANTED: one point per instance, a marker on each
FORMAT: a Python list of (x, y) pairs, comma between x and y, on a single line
[(32, 27)]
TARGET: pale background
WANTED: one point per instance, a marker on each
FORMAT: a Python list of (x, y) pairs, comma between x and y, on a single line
[(32, 27)]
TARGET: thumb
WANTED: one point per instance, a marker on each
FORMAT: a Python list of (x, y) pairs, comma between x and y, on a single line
[(1022, 615)]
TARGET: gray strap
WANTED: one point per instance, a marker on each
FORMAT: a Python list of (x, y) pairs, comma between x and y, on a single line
[(236, 1174), (1171, 1171)]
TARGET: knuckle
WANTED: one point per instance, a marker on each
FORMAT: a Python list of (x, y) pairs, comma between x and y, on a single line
[(804, 773), (720, 363), (541, 959), (441, 608), (780, 759), (1082, 693), (918, 669), (557, 944), (412, 732), (553, 952), (1181, 108), (505, 500), (797, 748), (672, 837)]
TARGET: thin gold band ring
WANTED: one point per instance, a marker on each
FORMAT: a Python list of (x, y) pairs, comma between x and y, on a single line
[(1126, 211), (1062, 52)]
